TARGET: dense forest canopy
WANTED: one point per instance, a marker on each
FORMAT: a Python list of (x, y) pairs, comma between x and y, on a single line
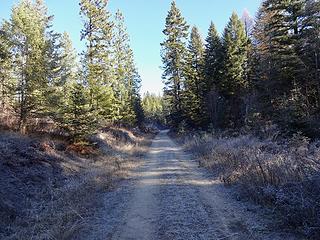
[(256, 72), (41, 77), (260, 71)]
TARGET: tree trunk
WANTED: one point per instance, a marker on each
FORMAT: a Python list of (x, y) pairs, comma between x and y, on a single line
[(23, 124)]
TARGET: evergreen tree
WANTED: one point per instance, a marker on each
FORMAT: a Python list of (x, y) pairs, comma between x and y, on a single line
[(195, 85), (136, 99), (6, 78), (213, 58), (173, 58), (248, 22), (97, 64), (250, 94), (235, 57), (69, 64), (28, 26), (54, 96), (212, 71), (125, 73), (64, 73), (280, 70), (262, 63), (78, 118), (309, 50), (234, 83), (153, 107)]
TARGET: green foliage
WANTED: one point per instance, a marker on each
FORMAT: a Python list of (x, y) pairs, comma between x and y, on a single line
[(195, 85), (270, 70), (78, 118), (29, 24), (263, 70), (62, 73), (97, 62), (235, 56), (154, 108), (173, 58), (213, 58), (6, 81), (40, 75), (286, 76), (127, 80), (213, 75)]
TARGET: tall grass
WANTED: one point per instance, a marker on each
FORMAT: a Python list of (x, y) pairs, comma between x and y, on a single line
[(284, 175)]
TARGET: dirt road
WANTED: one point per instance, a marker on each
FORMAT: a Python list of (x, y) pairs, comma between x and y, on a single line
[(170, 197)]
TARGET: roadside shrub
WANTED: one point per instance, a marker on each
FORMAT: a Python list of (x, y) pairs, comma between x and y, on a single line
[(284, 175)]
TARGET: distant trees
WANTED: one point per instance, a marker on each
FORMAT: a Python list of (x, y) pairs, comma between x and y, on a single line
[(41, 77), (257, 71), (154, 108)]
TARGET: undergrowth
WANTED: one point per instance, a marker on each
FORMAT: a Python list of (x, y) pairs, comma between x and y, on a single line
[(284, 175), (51, 190)]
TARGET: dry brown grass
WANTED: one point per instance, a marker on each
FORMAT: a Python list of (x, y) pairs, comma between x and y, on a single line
[(283, 175), (49, 191)]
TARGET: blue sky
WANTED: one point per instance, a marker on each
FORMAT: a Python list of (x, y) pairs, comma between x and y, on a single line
[(145, 21)]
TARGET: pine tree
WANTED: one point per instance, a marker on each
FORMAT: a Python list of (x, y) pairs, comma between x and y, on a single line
[(280, 69), (309, 50), (64, 73), (6, 79), (234, 83), (248, 22), (213, 58), (173, 58), (78, 118), (54, 94), (194, 94), (69, 64), (212, 71), (136, 99), (28, 26), (125, 73), (153, 107), (97, 64), (235, 57), (250, 94)]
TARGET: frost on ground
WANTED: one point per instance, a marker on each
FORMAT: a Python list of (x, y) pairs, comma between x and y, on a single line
[(170, 197), (280, 173), (48, 191)]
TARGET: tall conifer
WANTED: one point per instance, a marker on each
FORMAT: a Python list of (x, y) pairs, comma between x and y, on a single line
[(233, 82), (97, 33), (194, 93), (29, 24), (173, 57)]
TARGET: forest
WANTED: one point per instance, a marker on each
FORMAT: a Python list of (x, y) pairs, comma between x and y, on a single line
[(45, 85), (260, 71), (83, 150), (246, 103)]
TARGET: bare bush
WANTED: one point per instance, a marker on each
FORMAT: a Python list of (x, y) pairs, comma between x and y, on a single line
[(283, 175)]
